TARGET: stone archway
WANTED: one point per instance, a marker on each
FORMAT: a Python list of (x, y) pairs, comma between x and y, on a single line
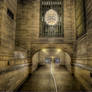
[(67, 49)]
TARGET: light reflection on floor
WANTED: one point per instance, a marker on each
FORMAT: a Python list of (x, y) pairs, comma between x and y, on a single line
[(42, 80)]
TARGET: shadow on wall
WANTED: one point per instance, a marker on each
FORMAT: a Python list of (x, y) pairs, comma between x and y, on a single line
[(35, 61), (68, 62)]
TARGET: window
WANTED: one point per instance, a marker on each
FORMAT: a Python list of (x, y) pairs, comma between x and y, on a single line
[(51, 18), (80, 18), (10, 14)]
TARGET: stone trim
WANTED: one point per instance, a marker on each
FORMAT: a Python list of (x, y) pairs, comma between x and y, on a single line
[(13, 68), (86, 67)]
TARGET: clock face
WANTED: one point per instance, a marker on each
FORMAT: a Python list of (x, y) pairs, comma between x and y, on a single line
[(51, 17)]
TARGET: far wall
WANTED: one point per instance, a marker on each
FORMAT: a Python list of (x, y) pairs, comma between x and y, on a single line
[(39, 58)]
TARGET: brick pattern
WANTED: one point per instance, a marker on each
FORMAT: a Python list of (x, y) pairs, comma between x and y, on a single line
[(27, 32), (11, 79), (8, 28), (80, 18), (84, 50), (69, 20), (1, 11), (89, 28), (28, 21)]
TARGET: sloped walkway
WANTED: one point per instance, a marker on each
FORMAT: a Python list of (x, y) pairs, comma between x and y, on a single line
[(42, 80)]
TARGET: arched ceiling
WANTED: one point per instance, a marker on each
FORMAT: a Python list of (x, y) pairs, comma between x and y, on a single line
[(65, 47)]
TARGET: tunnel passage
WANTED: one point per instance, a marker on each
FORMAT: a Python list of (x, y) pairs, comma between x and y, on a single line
[(51, 73), (42, 80), (46, 55), (27, 26)]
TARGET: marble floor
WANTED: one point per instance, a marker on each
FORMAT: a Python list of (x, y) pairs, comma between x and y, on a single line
[(51, 78)]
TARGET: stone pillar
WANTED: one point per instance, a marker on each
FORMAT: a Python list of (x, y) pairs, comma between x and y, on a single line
[(69, 20), (8, 9)]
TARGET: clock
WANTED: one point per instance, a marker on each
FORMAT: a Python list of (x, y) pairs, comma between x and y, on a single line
[(51, 17)]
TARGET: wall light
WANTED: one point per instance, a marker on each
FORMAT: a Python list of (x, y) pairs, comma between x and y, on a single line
[(58, 50), (52, 57), (44, 50)]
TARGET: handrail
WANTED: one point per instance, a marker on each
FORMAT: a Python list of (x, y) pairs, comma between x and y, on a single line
[(13, 68), (86, 67)]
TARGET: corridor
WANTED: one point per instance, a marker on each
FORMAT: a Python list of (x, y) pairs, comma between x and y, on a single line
[(51, 78), (46, 45)]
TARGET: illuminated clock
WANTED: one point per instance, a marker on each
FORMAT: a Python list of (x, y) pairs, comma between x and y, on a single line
[(51, 17)]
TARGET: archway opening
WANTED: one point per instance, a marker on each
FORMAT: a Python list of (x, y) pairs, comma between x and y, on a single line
[(47, 56)]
